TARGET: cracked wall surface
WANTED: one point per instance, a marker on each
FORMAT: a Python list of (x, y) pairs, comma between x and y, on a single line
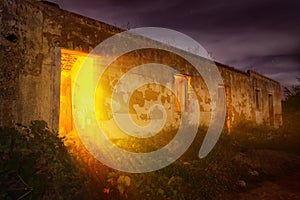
[(32, 35)]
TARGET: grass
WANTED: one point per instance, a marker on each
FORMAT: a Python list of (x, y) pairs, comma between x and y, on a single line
[(208, 178), (262, 137), (187, 178)]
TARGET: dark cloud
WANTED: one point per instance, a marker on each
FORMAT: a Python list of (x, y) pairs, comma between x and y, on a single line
[(262, 35)]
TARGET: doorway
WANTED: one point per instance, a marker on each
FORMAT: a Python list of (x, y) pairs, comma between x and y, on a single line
[(271, 109)]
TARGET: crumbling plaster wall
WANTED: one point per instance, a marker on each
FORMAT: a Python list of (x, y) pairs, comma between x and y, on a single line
[(32, 34), (267, 87), (238, 105)]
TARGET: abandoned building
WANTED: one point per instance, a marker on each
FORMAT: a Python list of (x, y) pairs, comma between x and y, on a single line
[(42, 47)]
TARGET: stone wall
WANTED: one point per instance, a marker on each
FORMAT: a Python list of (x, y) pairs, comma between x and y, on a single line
[(33, 34), (268, 109), (30, 32)]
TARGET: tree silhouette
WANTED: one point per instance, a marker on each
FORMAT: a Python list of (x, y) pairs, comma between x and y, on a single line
[(291, 106)]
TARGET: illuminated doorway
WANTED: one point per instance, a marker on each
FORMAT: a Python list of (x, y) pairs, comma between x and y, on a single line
[(182, 87), (70, 63)]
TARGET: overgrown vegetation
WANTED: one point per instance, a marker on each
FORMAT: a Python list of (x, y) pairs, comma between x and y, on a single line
[(187, 178), (291, 108), (35, 158), (34, 164)]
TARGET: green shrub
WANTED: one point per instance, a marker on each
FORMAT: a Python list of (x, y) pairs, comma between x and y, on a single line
[(34, 164)]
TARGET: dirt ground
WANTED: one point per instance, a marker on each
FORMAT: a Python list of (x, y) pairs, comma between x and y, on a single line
[(284, 188), (283, 182)]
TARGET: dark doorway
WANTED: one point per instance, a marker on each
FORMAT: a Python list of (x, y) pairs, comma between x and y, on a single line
[(271, 109)]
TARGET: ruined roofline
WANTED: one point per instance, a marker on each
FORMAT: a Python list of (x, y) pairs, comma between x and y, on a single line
[(230, 68), (56, 7), (43, 4), (261, 76), (50, 3)]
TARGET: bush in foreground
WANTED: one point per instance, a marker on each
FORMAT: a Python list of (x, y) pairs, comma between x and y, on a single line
[(35, 164)]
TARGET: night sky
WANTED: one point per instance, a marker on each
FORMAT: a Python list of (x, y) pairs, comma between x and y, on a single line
[(262, 35)]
